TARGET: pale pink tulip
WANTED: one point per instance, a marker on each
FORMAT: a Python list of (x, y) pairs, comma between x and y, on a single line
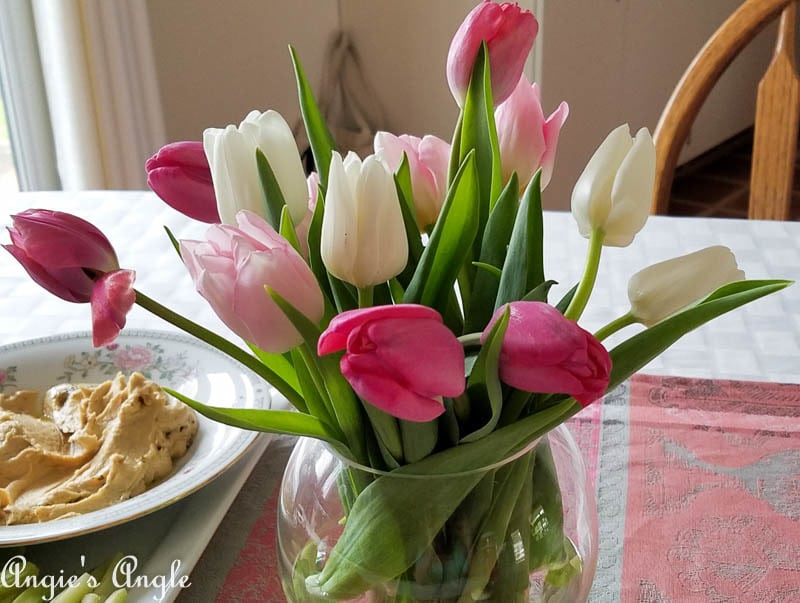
[(508, 31), (231, 269), (544, 352), (73, 260), (428, 160), (399, 358), (527, 140), (180, 175), (301, 229)]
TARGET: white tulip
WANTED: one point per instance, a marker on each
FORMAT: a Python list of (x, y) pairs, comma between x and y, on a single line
[(231, 154), (615, 190), (666, 287), (363, 236)]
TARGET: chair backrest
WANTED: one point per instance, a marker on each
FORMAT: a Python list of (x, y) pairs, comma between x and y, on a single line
[(777, 108)]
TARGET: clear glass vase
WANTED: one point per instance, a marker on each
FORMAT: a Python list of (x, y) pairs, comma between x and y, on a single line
[(522, 530)]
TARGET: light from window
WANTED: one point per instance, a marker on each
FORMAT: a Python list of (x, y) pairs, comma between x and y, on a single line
[(8, 173)]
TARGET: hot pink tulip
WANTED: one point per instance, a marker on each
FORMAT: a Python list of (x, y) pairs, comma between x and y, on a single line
[(428, 160), (231, 269), (73, 260), (179, 174), (508, 32), (399, 358), (544, 352), (527, 140)]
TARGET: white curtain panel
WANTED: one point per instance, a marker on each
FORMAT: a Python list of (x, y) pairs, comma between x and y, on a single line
[(102, 90)]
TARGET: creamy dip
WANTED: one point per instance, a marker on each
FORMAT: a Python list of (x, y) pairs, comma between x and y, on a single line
[(84, 447)]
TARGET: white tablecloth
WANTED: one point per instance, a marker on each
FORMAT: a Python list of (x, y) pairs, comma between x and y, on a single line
[(757, 342)]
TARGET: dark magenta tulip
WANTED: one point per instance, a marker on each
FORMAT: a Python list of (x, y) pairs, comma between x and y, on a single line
[(73, 260), (180, 175)]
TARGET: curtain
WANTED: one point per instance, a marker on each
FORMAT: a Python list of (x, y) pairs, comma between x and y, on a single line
[(102, 90)]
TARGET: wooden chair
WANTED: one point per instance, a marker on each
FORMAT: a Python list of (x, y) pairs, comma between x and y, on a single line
[(777, 108)]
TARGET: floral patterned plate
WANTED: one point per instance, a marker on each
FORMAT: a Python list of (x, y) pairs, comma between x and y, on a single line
[(171, 359)]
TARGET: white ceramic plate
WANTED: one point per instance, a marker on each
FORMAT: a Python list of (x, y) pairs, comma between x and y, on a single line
[(173, 360)]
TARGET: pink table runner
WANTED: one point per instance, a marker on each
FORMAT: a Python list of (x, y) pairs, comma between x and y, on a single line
[(698, 496)]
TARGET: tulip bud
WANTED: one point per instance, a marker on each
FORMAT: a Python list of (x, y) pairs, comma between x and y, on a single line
[(544, 352), (232, 157), (363, 236), (428, 160), (666, 287), (179, 174), (509, 33), (231, 269), (527, 140), (73, 260), (398, 358), (615, 190)]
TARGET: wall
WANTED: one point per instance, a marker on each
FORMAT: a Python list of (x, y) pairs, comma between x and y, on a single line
[(617, 61), (218, 60), (613, 61)]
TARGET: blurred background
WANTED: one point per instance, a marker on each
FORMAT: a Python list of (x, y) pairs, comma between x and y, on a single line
[(93, 88)]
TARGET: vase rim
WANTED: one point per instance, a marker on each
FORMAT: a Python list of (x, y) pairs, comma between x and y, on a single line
[(512, 456)]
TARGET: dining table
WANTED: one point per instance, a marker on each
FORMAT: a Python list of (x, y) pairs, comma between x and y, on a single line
[(695, 459)]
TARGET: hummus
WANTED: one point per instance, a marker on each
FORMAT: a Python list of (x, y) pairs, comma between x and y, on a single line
[(84, 447)]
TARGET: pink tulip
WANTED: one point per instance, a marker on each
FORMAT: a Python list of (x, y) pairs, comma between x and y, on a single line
[(73, 260), (544, 352), (399, 358), (112, 298), (527, 140), (428, 160), (231, 269), (509, 33), (179, 174)]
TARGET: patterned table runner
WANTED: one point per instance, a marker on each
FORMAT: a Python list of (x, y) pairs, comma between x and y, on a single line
[(698, 497)]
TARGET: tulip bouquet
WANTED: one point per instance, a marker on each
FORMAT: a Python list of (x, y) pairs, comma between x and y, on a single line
[(400, 303)]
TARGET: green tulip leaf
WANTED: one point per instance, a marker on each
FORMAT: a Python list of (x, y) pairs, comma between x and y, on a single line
[(483, 386), (540, 292), (280, 364), (286, 229), (479, 134), (419, 438), (175, 243), (402, 181), (259, 419), (312, 388), (523, 268), (635, 352), (494, 246), (319, 136), (274, 201), (565, 301), (450, 242), (383, 536)]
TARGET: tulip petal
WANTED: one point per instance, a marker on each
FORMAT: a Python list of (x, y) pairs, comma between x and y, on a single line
[(367, 378), (422, 353), (591, 196), (335, 336), (112, 298), (552, 129), (632, 192)]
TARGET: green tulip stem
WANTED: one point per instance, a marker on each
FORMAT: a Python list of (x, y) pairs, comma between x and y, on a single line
[(581, 298), (614, 326), (223, 345), (365, 296), (470, 340)]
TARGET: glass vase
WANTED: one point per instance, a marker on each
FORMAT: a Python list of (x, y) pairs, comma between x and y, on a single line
[(525, 531)]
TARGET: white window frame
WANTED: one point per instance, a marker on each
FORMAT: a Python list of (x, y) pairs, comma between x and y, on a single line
[(25, 99)]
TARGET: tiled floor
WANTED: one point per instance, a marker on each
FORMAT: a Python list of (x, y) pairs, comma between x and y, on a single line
[(716, 183)]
